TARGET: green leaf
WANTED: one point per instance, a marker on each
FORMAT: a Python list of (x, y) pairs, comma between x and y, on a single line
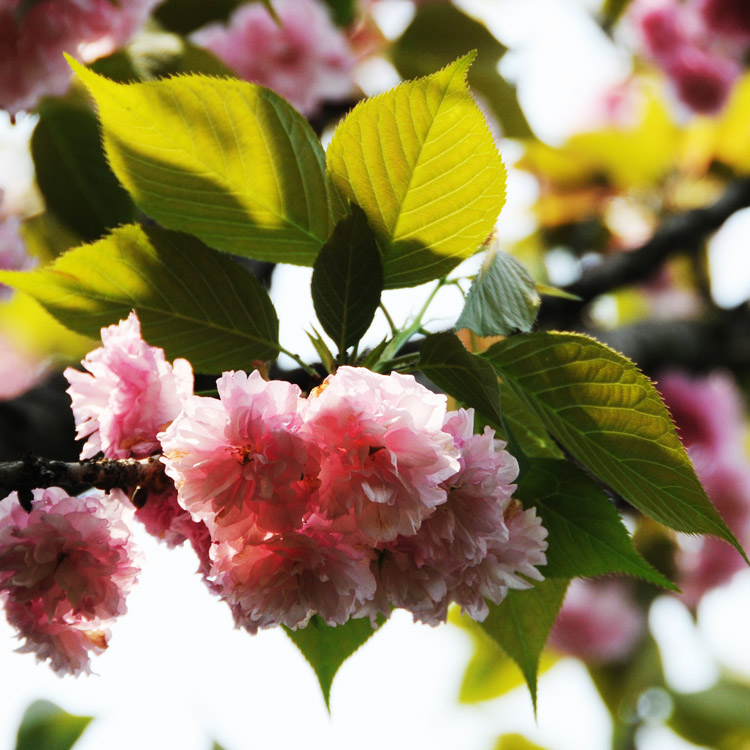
[(490, 672), (503, 298), (46, 726), (438, 34), (611, 12), (515, 742), (347, 281), (192, 301), (326, 648), (184, 16), (586, 535), (421, 163), (717, 717), (343, 12), (326, 357), (521, 623), (228, 161), (77, 184), (466, 377), (528, 429), (603, 411)]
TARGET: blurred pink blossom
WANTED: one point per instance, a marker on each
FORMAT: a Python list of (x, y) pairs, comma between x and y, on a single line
[(730, 18), (702, 80), (709, 414), (383, 452), (599, 621), (13, 255), (129, 394), (65, 571), (33, 37), (306, 59)]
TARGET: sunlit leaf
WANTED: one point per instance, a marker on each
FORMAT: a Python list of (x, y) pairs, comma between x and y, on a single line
[(503, 298), (463, 375), (46, 726), (602, 410), (228, 161), (586, 535), (192, 301), (347, 280), (326, 648), (515, 742), (77, 184), (421, 163), (438, 34), (520, 624)]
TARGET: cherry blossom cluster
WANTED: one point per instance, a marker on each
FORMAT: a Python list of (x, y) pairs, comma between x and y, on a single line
[(363, 496), (65, 570), (34, 35), (700, 45)]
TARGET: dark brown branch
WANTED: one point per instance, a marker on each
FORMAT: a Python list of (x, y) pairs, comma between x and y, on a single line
[(684, 233), (127, 474)]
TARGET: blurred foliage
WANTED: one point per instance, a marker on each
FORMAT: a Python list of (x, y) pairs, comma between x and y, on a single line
[(46, 726)]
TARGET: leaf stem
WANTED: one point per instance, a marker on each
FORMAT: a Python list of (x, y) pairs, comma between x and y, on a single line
[(309, 369)]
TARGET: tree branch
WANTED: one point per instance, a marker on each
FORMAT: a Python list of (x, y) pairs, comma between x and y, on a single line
[(682, 233), (129, 474)]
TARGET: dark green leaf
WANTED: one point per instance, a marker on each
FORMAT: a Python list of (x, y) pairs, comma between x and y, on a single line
[(326, 648), (521, 623), (347, 281), (604, 412), (184, 16), (612, 11), (466, 377), (343, 12), (46, 726), (438, 34), (77, 184), (503, 298), (192, 301), (586, 534)]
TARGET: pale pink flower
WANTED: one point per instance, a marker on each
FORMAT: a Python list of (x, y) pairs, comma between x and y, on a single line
[(129, 394), (306, 59), (19, 370), (475, 546), (240, 461), (287, 578), (68, 564), (383, 452), (599, 621), (33, 37), (662, 27)]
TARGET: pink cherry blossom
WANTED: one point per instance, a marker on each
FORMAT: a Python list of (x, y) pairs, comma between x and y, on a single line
[(702, 80), (383, 452), (65, 571), (287, 578), (730, 18), (129, 394), (33, 37), (662, 27), (475, 546), (306, 59), (599, 621), (240, 461)]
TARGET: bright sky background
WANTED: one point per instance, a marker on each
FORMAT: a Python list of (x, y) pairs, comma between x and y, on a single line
[(177, 674)]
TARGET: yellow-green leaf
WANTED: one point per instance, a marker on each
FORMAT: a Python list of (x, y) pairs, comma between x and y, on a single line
[(421, 163), (228, 161), (607, 414), (192, 301)]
